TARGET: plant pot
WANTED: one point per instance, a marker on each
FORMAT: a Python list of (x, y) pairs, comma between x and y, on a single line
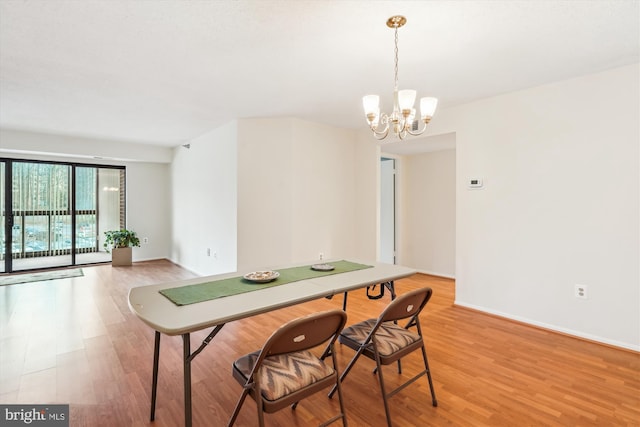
[(121, 256)]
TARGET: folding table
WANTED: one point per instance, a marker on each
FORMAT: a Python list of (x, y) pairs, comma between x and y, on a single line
[(165, 317)]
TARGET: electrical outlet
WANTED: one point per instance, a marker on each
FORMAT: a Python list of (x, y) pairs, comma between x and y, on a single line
[(580, 291), (208, 251), (145, 240), (321, 256)]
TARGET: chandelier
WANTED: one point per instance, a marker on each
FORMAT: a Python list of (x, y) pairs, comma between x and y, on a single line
[(402, 120)]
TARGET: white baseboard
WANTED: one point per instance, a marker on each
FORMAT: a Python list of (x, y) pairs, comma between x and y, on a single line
[(435, 273), (566, 331), (190, 270)]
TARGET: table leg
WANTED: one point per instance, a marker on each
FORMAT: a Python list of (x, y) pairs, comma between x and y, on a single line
[(154, 381), (392, 288), (186, 354)]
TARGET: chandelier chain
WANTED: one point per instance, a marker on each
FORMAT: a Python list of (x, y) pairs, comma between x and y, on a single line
[(396, 59)]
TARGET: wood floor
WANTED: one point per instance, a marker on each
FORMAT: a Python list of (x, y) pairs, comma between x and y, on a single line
[(75, 341)]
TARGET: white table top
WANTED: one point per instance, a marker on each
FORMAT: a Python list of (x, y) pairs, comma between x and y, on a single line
[(164, 316)]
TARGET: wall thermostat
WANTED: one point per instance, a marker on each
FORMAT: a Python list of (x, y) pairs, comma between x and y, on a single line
[(475, 183)]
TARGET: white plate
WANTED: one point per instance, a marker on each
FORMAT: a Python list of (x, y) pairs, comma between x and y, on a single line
[(262, 276), (322, 267)]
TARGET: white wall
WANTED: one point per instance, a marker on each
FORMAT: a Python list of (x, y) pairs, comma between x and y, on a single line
[(264, 192), (149, 208), (324, 192), (296, 192), (367, 196), (429, 212), (274, 192), (204, 202), (560, 205)]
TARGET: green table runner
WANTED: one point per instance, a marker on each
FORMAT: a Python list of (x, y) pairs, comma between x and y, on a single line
[(191, 294)]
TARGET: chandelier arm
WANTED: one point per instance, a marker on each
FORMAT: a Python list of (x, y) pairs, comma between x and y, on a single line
[(384, 120), (418, 132), (380, 134)]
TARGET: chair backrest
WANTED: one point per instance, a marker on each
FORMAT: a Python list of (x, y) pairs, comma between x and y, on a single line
[(406, 306), (305, 332)]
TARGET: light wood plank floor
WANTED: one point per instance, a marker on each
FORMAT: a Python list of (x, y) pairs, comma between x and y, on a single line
[(75, 341)]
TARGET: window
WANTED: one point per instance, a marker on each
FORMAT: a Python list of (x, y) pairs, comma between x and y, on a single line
[(58, 212)]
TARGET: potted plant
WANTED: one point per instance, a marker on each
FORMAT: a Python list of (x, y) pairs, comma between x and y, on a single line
[(119, 243)]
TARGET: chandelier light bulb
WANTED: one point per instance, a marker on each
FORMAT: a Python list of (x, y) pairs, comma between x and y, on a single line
[(370, 104), (406, 99), (428, 107), (376, 119)]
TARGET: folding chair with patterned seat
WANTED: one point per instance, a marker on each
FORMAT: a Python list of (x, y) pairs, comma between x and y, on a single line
[(286, 371), (385, 342)]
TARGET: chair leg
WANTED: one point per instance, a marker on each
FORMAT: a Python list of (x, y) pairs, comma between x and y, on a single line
[(260, 413), (346, 370), (426, 366), (382, 387), (339, 386), (399, 367), (243, 396)]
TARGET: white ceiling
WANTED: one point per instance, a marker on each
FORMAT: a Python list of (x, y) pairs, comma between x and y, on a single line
[(164, 72)]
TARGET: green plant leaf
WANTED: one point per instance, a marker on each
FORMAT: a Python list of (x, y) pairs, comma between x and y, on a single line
[(120, 239)]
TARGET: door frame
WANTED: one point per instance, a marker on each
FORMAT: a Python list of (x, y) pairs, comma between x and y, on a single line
[(388, 210)]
